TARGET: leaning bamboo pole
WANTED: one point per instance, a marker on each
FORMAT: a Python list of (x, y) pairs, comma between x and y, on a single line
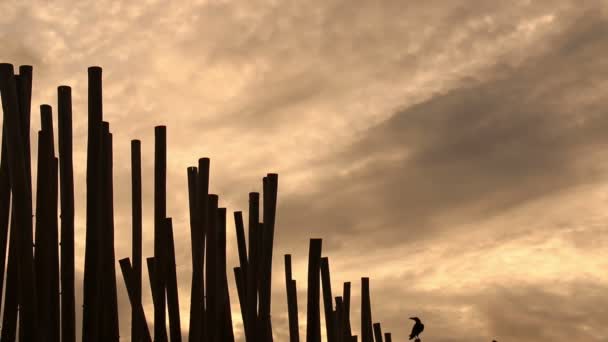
[(171, 281), (128, 274), (292, 301), (313, 318), (327, 300), (378, 332)]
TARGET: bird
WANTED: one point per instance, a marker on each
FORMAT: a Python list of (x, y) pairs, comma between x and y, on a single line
[(417, 329)]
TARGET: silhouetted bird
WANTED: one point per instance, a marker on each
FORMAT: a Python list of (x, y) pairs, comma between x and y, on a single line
[(417, 329)]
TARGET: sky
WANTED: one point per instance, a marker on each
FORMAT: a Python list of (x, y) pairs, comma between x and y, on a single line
[(451, 151)]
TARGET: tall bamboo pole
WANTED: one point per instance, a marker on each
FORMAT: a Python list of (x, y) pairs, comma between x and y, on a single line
[(54, 308), (252, 268), (138, 327), (109, 304), (212, 276), (160, 212), (92, 278), (202, 195), (171, 281), (366, 312), (196, 235), (66, 170)]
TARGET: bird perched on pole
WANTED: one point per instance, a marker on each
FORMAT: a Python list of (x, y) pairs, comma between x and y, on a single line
[(417, 328)]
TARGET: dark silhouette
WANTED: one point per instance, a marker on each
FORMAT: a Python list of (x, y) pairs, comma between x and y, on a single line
[(32, 297), (417, 328)]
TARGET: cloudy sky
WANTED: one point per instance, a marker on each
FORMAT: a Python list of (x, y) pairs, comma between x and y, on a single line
[(452, 151)]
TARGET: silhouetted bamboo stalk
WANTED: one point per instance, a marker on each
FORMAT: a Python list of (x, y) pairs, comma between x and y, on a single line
[(66, 171), (292, 301), (346, 301), (240, 288), (5, 198), (226, 325), (55, 310), (366, 312), (240, 239), (313, 318), (388, 337), (16, 142), (240, 273), (378, 332), (92, 273), (138, 328), (212, 276), (196, 235), (151, 263), (110, 325), (252, 268), (143, 333), (327, 300), (270, 187), (42, 242), (202, 195), (11, 301), (172, 289), (160, 212)]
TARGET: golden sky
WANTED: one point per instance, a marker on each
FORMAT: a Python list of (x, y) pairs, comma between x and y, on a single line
[(452, 151)]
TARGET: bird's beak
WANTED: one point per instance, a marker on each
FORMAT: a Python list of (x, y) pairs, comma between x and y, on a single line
[(412, 318)]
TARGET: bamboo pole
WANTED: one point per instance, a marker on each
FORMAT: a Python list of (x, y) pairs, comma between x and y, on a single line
[(143, 333), (160, 212), (240, 273), (388, 337), (252, 268), (41, 240), (196, 236), (66, 169), (270, 187), (138, 328), (327, 300), (91, 307), (171, 281), (5, 198), (292, 301), (109, 320), (378, 332), (202, 195), (366, 313), (346, 300), (21, 191), (313, 319), (227, 334), (11, 301), (55, 309), (212, 277)]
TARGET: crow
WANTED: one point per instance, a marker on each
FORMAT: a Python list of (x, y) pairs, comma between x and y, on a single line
[(417, 329)]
